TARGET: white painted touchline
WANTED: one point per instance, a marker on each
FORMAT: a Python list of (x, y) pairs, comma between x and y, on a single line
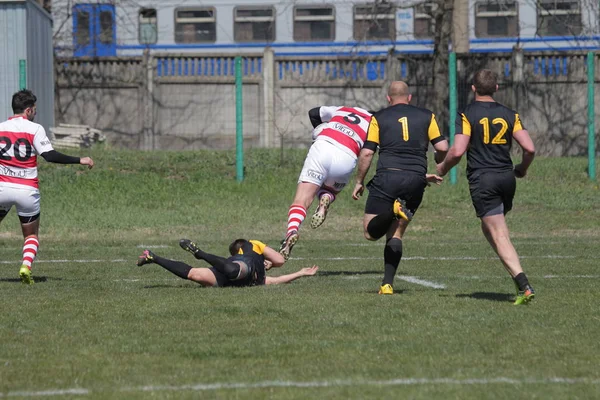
[(71, 261), (441, 258), (313, 384), (422, 282)]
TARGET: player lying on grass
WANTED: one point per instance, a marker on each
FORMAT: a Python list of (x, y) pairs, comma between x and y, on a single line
[(246, 267)]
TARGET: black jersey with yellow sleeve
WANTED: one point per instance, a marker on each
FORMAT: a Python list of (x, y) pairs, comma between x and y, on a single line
[(403, 132), (251, 253), (491, 127)]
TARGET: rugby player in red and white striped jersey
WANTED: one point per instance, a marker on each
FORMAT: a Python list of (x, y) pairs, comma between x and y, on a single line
[(21, 140), (340, 133)]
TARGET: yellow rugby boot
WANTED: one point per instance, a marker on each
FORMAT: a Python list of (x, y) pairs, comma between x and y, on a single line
[(25, 274), (400, 210), (386, 289)]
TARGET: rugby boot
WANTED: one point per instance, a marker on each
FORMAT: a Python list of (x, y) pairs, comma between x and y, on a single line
[(287, 244), (401, 211), (321, 213), (190, 246), (25, 274), (525, 296), (386, 289), (147, 257)]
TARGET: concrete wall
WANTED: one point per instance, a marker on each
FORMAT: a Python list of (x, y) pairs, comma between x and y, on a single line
[(178, 102)]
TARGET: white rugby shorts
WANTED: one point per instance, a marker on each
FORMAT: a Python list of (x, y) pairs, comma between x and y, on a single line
[(327, 165), (27, 200)]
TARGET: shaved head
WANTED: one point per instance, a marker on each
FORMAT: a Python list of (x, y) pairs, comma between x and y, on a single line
[(398, 93)]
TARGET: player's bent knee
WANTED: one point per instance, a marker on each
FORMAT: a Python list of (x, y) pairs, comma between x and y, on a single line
[(368, 237)]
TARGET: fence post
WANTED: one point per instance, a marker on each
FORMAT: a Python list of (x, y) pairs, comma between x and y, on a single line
[(22, 74), (591, 78), (452, 108), (268, 98), (518, 75), (239, 137), (148, 102)]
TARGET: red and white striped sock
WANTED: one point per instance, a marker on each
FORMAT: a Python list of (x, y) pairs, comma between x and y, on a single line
[(296, 215), (30, 249)]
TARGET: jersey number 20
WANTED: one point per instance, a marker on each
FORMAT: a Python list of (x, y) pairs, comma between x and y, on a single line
[(5, 144)]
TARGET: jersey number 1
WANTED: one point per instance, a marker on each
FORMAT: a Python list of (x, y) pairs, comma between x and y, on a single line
[(404, 122)]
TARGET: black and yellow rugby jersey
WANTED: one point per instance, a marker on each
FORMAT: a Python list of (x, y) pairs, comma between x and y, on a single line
[(491, 127), (402, 133), (252, 254)]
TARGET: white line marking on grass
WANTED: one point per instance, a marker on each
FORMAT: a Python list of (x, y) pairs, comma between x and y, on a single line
[(422, 282), (69, 261), (153, 246), (45, 393), (201, 387), (442, 258)]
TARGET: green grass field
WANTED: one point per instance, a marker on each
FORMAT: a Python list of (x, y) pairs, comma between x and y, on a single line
[(96, 326)]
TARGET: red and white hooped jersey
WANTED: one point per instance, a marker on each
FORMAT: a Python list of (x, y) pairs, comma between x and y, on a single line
[(20, 142), (346, 127)]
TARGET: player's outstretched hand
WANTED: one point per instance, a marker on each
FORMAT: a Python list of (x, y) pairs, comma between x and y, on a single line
[(86, 161), (359, 188), (432, 178), (310, 270), (519, 172), (439, 169)]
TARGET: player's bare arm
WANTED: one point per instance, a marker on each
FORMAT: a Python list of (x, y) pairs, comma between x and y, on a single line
[(461, 143), (273, 257), (441, 149), (522, 137), (276, 280), (364, 163)]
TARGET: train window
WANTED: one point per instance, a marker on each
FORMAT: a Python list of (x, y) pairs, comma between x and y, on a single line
[(558, 17), (499, 18), (106, 27), (148, 26), (374, 21), (314, 23), (82, 36), (195, 25), (424, 24), (254, 24)]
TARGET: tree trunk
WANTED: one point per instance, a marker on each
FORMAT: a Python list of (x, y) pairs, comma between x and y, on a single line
[(443, 30)]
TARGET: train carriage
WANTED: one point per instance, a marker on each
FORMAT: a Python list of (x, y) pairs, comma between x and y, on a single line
[(312, 28)]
